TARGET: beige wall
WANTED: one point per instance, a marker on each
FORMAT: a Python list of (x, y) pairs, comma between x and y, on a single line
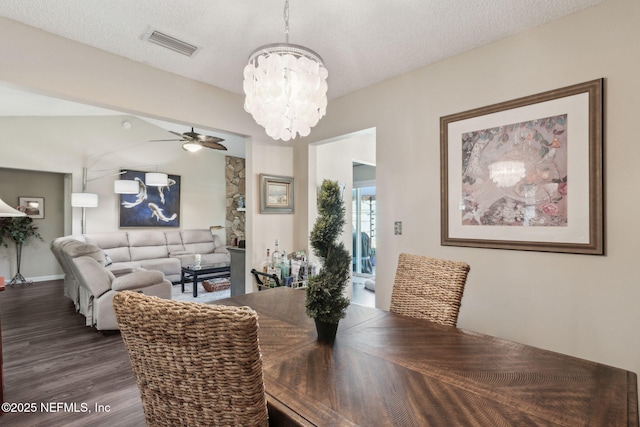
[(575, 304), (586, 306), (37, 260), (264, 229)]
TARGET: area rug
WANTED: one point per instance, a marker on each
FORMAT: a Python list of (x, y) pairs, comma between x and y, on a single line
[(203, 295)]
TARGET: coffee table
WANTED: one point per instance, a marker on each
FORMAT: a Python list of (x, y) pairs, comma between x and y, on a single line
[(221, 269)]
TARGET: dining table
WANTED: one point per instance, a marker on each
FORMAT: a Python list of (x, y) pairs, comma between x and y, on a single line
[(386, 369)]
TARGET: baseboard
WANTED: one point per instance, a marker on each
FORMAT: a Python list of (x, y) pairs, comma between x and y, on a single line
[(46, 278)]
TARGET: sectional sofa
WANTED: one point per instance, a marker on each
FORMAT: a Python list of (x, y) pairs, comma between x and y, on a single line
[(98, 265)]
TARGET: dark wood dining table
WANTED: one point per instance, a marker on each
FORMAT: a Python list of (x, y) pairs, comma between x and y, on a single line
[(390, 370)]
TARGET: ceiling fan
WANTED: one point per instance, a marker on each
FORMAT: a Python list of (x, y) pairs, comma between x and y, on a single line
[(194, 141)]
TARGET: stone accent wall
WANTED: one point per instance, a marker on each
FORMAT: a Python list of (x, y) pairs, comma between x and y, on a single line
[(236, 179)]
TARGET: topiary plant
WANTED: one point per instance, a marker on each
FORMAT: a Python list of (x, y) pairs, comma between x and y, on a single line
[(325, 300)]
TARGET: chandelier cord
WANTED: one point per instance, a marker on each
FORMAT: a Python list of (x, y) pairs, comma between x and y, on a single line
[(286, 21)]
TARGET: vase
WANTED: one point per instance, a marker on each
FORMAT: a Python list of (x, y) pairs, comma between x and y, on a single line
[(326, 331)]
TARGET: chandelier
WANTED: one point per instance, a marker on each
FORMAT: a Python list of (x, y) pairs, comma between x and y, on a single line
[(507, 173), (286, 87)]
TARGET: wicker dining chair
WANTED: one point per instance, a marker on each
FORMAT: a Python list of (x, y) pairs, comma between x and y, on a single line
[(429, 288), (195, 364)]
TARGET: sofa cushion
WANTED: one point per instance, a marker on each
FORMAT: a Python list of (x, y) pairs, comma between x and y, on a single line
[(76, 249), (169, 266), (174, 242), (136, 280), (198, 241), (115, 244), (145, 245)]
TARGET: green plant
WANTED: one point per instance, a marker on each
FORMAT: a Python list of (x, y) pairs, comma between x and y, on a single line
[(325, 300), (18, 229)]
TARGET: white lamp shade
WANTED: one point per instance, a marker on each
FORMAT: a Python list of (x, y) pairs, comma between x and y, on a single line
[(84, 200), (126, 186), (6, 210), (156, 179)]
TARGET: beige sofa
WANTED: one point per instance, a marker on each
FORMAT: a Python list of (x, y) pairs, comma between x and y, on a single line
[(95, 285), (119, 260)]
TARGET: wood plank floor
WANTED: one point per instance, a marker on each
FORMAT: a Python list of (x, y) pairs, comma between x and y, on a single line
[(51, 358)]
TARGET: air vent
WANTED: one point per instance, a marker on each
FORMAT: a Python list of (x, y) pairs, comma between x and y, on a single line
[(164, 40)]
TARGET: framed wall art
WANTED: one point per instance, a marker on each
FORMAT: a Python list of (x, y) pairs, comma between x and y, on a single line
[(151, 206), (526, 174), (276, 194), (33, 206)]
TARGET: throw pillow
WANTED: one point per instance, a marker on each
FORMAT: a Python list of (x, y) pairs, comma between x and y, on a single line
[(107, 260)]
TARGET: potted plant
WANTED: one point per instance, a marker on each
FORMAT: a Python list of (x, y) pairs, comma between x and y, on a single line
[(19, 230), (325, 300)]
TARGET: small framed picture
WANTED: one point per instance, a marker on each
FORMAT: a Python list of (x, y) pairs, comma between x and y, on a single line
[(32, 206), (276, 194)]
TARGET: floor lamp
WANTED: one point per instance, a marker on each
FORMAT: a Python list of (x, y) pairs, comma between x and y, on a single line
[(90, 200)]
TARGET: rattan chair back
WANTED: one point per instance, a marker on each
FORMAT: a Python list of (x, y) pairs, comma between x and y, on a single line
[(195, 364), (429, 288)]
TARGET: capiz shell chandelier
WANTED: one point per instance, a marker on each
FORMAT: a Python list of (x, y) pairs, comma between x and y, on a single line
[(286, 87), (507, 173)]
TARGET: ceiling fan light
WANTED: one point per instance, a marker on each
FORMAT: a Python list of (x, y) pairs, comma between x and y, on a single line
[(191, 146)]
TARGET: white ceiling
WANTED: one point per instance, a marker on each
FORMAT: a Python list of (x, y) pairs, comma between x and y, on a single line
[(362, 42)]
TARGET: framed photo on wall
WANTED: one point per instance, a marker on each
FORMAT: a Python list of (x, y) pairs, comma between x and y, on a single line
[(33, 206), (526, 174), (276, 194)]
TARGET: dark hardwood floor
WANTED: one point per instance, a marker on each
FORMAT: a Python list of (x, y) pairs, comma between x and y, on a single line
[(61, 369)]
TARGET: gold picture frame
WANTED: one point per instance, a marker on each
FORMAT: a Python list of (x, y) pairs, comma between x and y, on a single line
[(526, 174)]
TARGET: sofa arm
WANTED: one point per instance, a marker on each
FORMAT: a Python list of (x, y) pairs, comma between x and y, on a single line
[(221, 250), (137, 280), (122, 268), (121, 271)]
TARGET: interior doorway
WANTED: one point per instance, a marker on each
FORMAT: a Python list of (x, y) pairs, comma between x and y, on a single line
[(364, 234), (350, 160)]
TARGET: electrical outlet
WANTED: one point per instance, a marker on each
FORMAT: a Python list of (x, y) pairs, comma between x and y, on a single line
[(397, 228)]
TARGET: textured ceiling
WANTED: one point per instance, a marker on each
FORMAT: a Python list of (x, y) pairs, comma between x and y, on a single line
[(362, 42)]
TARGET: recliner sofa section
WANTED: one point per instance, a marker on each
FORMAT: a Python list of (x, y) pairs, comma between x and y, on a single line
[(121, 254), (92, 286)]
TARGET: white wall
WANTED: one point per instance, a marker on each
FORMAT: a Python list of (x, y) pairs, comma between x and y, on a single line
[(37, 260), (581, 305), (266, 228)]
